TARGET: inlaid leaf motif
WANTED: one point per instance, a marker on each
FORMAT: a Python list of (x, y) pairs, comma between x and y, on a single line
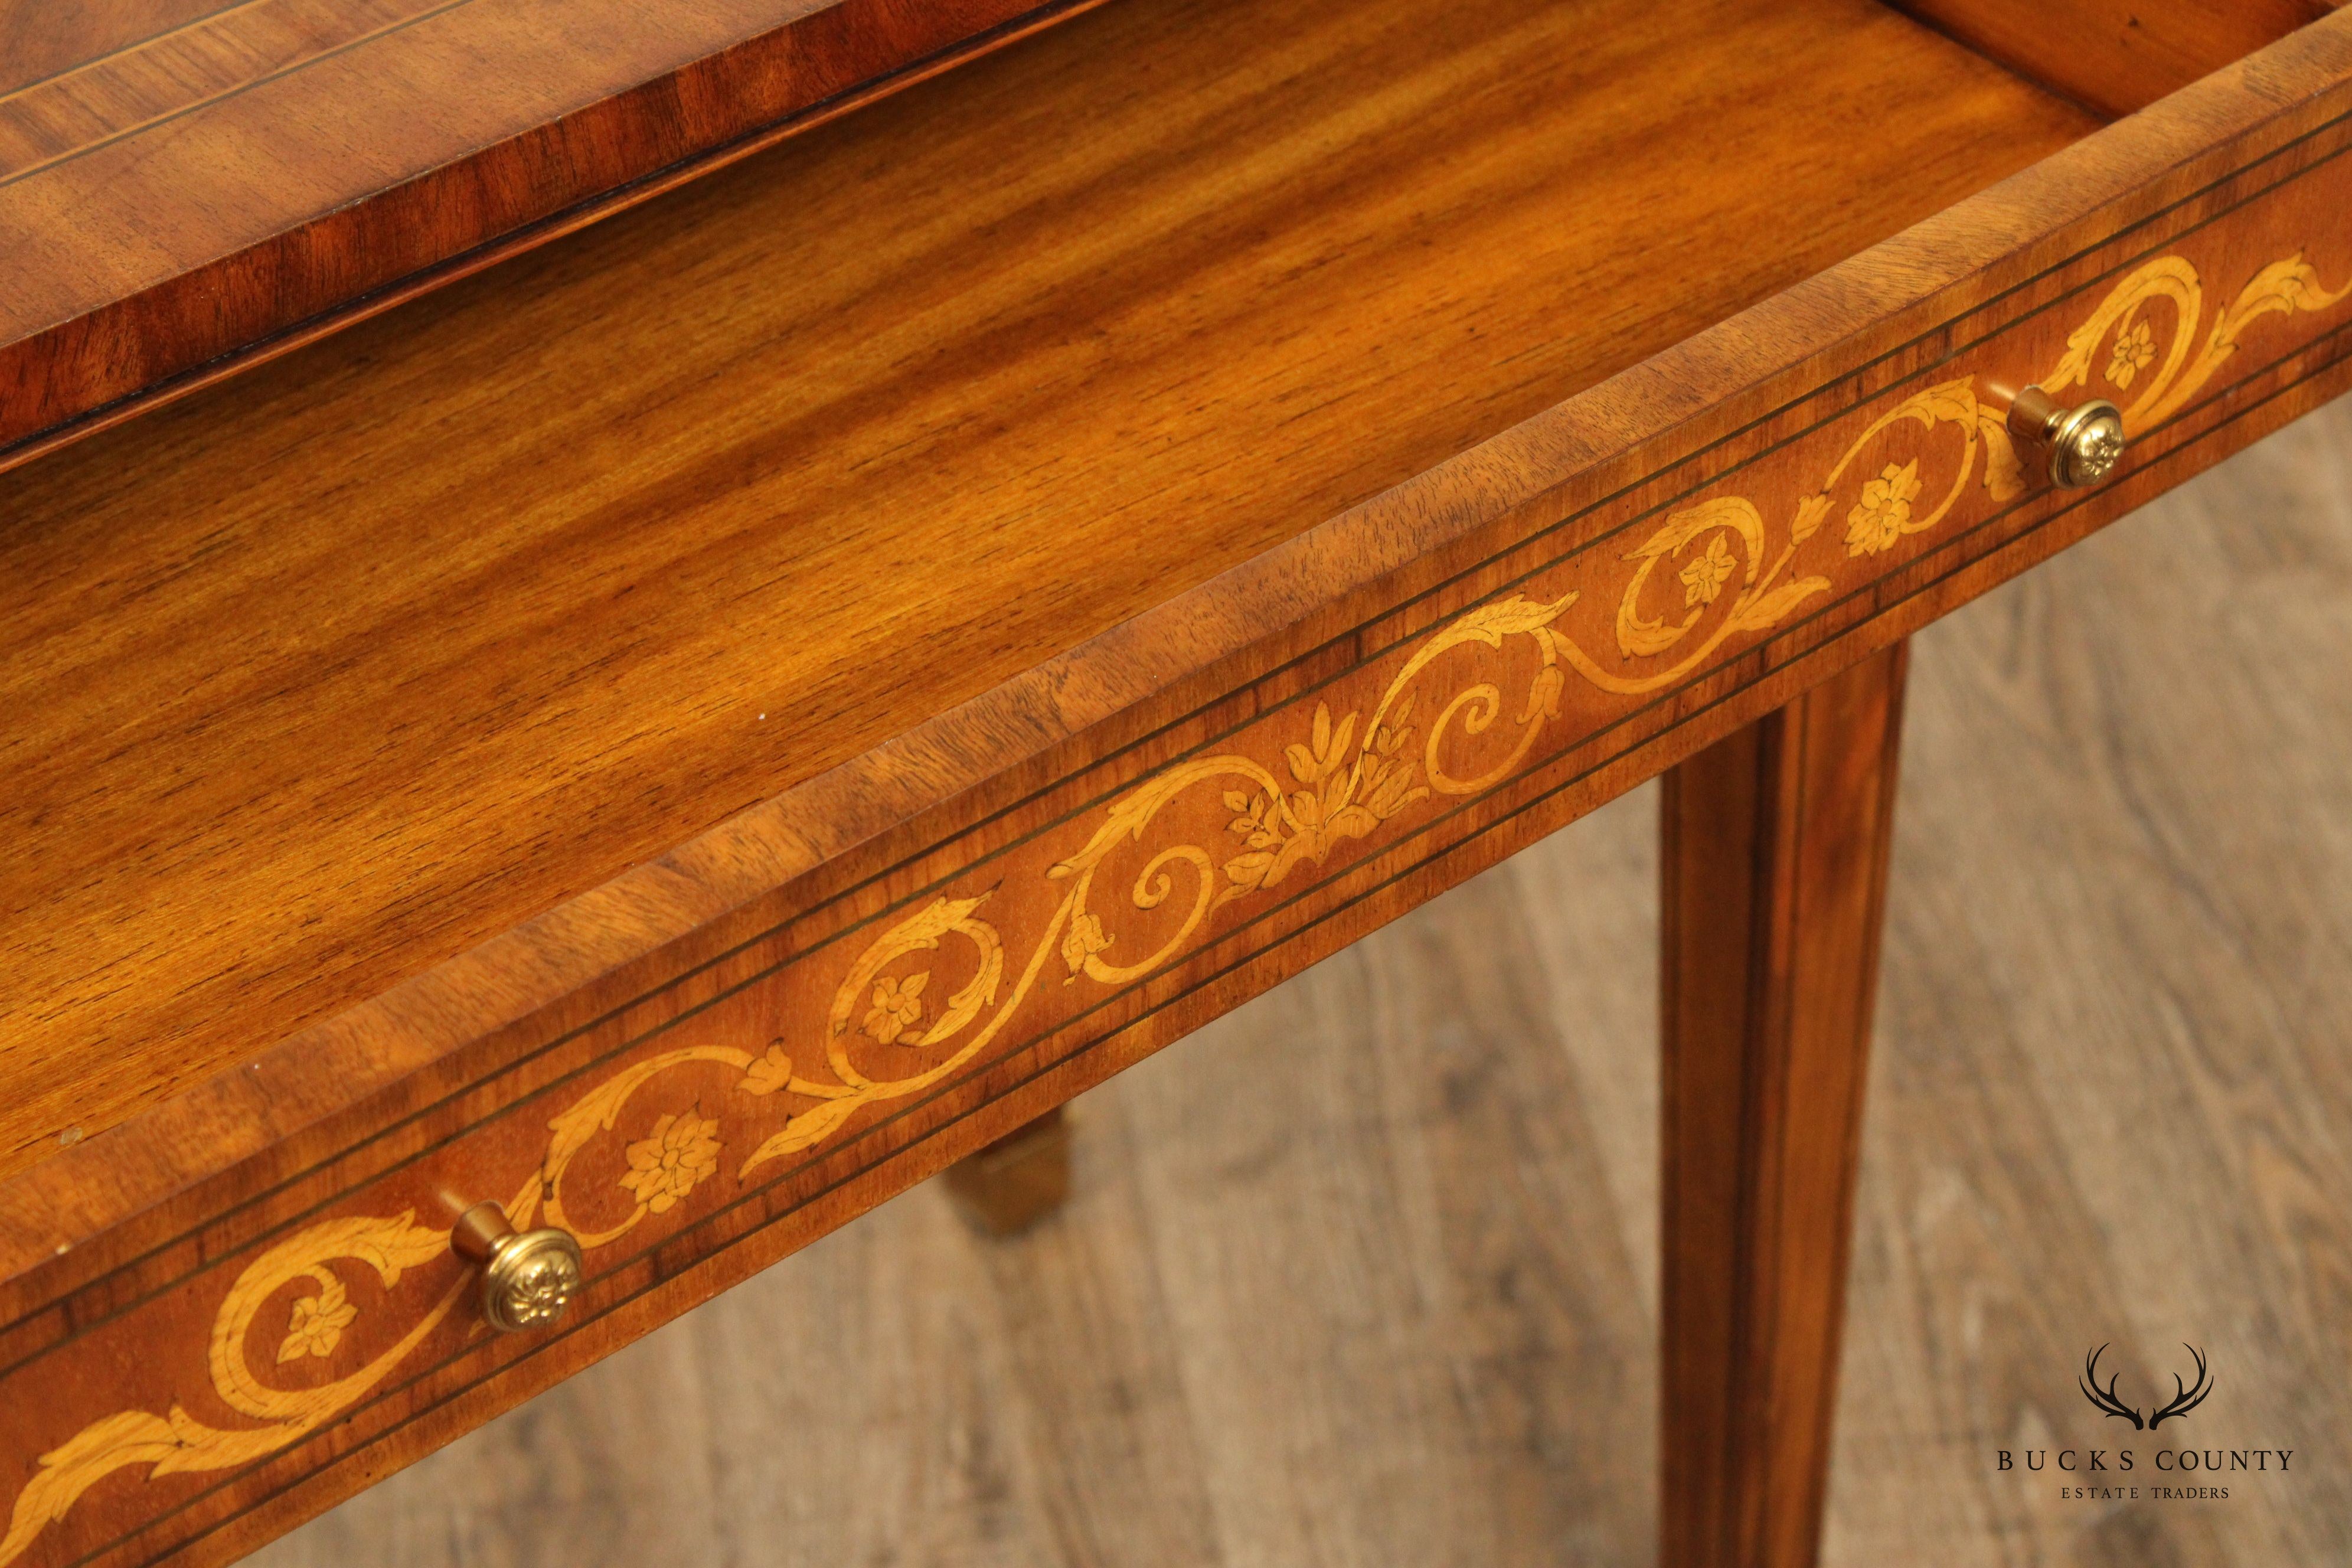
[(1084, 938), (772, 1072)]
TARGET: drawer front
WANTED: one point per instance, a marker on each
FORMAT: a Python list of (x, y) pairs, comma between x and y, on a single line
[(204, 1397)]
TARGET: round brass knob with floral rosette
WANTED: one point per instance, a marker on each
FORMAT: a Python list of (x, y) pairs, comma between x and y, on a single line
[(2085, 442), (528, 1277)]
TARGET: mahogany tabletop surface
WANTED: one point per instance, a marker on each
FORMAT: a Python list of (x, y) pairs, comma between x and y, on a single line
[(343, 666), (189, 181)]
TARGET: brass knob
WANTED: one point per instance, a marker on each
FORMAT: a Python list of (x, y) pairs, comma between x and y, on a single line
[(2086, 441), (528, 1277)]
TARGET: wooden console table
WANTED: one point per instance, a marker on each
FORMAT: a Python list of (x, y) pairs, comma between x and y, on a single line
[(808, 637)]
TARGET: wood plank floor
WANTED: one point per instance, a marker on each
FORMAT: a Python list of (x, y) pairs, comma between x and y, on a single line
[(1365, 1274)]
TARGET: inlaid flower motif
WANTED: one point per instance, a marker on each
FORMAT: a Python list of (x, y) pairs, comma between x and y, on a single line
[(1703, 578), (1877, 519), (1348, 795), (898, 1006), (672, 1161), (316, 1324), (2135, 352)]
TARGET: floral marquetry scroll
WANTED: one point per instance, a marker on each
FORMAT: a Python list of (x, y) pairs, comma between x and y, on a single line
[(1730, 535), (2126, 324), (1910, 486), (1340, 781), (315, 1320), (677, 1124)]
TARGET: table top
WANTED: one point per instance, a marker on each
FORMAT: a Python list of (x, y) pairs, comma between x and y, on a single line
[(333, 672), (187, 183)]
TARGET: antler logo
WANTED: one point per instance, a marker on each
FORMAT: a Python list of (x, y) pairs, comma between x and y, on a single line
[(2184, 1399)]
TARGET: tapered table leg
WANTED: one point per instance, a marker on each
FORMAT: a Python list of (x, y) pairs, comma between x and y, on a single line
[(1775, 850), (1018, 1180)]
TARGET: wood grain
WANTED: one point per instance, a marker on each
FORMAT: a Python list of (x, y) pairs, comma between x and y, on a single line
[(186, 190), (40, 42), (821, 472), (441, 1069), (2108, 1098), (441, 1394), (2116, 55), (115, 94), (599, 950), (1774, 847)]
